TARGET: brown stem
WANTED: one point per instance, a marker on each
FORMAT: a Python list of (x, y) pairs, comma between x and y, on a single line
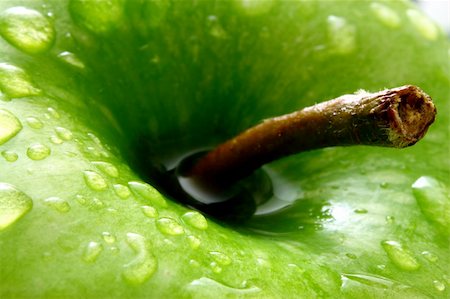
[(396, 117)]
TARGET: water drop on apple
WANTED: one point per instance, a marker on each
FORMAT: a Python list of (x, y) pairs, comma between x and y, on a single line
[(14, 204), (15, 82), (385, 15), (432, 197), (10, 126), (95, 181), (122, 191), (10, 156), (58, 204), (27, 29), (149, 211), (63, 133), (35, 123), (92, 251), (342, 35), (399, 256), (143, 265), (107, 168), (194, 242), (221, 258), (195, 219), (108, 237), (169, 226), (71, 59), (439, 285), (38, 151), (424, 26), (430, 256), (56, 140), (147, 192)]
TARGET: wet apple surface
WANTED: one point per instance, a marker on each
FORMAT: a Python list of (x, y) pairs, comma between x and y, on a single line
[(93, 91)]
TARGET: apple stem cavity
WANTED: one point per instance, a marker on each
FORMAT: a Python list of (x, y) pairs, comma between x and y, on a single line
[(397, 117)]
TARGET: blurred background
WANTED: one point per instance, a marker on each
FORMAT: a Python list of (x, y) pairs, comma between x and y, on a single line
[(439, 10)]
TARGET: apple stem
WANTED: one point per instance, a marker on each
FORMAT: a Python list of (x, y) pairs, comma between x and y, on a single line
[(396, 117)]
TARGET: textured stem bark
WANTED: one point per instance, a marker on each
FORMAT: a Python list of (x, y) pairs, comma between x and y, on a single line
[(397, 117)]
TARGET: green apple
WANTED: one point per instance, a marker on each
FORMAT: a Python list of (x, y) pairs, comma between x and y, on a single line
[(93, 90)]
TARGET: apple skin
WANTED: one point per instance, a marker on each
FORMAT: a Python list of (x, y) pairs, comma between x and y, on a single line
[(367, 222)]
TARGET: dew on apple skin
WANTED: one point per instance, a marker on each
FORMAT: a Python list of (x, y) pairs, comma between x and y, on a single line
[(81, 199), (254, 7), (385, 15), (430, 256), (27, 29), (147, 192), (14, 204), (99, 17), (10, 126), (360, 211), (63, 133), (71, 59), (194, 242), (38, 151), (144, 265), (390, 219), (122, 191), (107, 168), (56, 140), (169, 226), (34, 123), (215, 28), (342, 35), (92, 251), (432, 197), (195, 219), (439, 285), (206, 283), (399, 256), (15, 82), (10, 156), (108, 237), (52, 113), (58, 204), (94, 180), (149, 211), (221, 258), (215, 267), (424, 26), (194, 263)]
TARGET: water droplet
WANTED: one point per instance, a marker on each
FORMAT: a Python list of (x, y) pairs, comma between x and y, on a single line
[(10, 126), (430, 256), (122, 191), (55, 140), (384, 185), (15, 83), (194, 242), (34, 123), (432, 197), (439, 285), (254, 7), (63, 133), (114, 250), (94, 180), (27, 29), (71, 59), (149, 211), (53, 113), (194, 263), (342, 35), (200, 288), (96, 203), (58, 204), (97, 16), (10, 156), (390, 219), (195, 219), (148, 192), (400, 256), (108, 237), (14, 204), (107, 168), (221, 258), (142, 267), (81, 199), (92, 251), (38, 151), (360, 211), (216, 268), (169, 226), (423, 24), (215, 28), (386, 15)]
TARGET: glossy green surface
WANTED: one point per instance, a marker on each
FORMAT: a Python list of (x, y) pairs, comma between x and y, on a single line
[(84, 84)]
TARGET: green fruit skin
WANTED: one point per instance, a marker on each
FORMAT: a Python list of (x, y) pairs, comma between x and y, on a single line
[(180, 75)]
